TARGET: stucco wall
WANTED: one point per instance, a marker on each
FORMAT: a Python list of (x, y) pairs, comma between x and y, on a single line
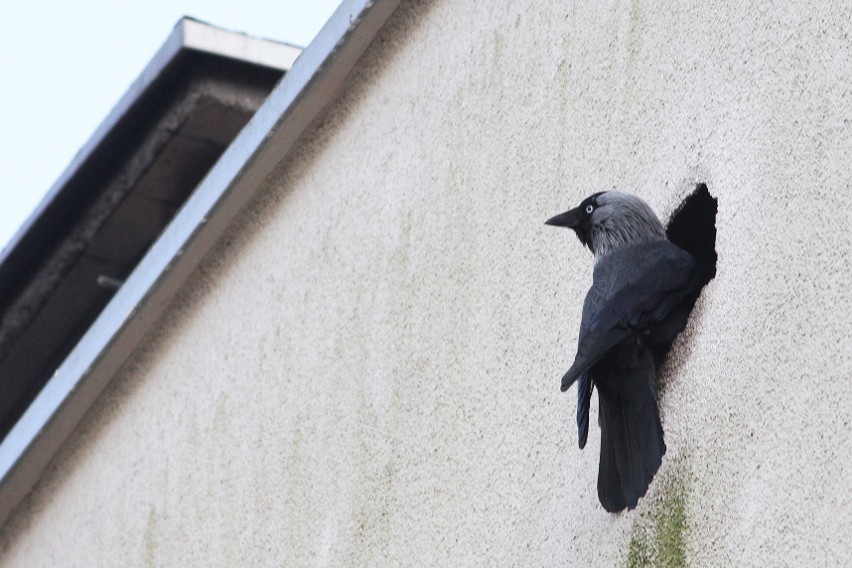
[(366, 371)]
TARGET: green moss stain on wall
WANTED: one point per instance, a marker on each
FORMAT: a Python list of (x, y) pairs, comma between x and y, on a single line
[(639, 552), (660, 535), (150, 538)]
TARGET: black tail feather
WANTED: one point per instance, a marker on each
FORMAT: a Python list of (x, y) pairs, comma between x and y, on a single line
[(610, 493), (632, 448), (584, 400)]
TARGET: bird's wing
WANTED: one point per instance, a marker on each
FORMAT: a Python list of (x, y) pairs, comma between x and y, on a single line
[(667, 278)]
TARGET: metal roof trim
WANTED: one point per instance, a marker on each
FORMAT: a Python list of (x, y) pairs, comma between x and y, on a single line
[(203, 37)]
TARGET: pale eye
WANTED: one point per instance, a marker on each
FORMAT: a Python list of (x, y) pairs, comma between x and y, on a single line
[(589, 209)]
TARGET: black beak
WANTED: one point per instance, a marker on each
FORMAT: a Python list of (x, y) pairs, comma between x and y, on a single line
[(570, 219)]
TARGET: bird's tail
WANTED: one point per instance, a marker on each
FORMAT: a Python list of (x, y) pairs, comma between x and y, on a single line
[(632, 447)]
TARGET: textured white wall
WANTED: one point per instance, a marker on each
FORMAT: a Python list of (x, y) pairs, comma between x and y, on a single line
[(366, 371)]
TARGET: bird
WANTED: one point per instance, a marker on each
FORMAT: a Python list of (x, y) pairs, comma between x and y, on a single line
[(643, 291)]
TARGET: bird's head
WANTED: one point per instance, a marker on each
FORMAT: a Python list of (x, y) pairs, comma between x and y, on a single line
[(609, 220)]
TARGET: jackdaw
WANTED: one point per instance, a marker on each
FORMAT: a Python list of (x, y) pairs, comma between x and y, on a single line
[(643, 290)]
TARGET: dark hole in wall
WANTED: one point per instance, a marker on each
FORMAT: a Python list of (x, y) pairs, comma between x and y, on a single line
[(692, 227)]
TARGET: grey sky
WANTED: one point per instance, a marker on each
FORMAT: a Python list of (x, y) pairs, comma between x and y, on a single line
[(65, 64)]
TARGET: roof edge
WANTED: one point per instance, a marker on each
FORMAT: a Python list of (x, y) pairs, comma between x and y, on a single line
[(314, 81)]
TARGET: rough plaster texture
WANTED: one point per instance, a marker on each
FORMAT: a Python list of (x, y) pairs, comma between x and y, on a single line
[(365, 372)]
